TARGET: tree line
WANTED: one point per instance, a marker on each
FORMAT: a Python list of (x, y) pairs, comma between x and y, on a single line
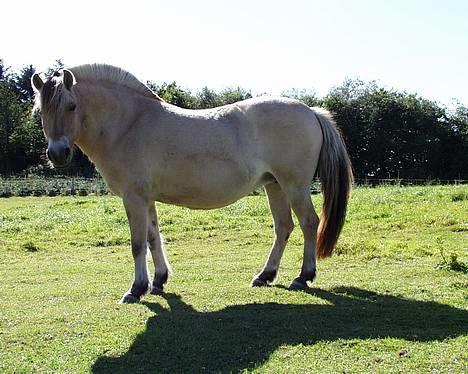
[(389, 133)]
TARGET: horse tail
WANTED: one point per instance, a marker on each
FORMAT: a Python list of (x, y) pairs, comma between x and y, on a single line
[(336, 177)]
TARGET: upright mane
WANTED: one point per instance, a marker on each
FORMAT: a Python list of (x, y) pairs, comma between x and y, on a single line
[(53, 94), (109, 73)]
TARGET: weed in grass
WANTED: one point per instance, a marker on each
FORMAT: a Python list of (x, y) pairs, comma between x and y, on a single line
[(459, 196), (30, 247), (452, 263)]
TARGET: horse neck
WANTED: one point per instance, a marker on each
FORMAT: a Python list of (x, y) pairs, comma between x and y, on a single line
[(106, 114)]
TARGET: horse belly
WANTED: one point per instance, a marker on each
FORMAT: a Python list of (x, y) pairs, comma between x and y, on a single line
[(205, 185)]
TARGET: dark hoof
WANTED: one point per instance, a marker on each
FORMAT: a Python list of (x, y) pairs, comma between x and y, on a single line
[(258, 282), (264, 278), (298, 284), (156, 290), (159, 281), (311, 276), (128, 298)]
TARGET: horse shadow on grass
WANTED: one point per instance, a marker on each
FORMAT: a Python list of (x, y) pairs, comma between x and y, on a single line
[(182, 339)]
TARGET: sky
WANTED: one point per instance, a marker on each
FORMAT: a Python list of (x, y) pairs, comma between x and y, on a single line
[(267, 46)]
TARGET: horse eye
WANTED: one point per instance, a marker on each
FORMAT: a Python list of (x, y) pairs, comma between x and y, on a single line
[(72, 107)]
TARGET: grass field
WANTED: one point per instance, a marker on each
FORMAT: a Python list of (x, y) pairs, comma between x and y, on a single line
[(393, 298)]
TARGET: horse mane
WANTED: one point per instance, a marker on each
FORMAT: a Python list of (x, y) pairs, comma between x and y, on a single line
[(50, 97), (109, 73), (52, 93)]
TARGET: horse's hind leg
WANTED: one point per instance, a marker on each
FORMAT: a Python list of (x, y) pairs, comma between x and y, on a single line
[(161, 265), (302, 206), (281, 211)]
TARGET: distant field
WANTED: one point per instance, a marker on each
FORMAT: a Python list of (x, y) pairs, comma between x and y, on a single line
[(392, 299)]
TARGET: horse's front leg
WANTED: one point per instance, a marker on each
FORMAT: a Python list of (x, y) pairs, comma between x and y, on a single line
[(161, 265), (137, 214)]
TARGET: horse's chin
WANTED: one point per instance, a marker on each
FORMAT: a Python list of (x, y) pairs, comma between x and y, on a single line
[(61, 166)]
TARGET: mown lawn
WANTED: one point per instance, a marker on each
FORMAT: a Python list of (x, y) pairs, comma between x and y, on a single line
[(381, 304)]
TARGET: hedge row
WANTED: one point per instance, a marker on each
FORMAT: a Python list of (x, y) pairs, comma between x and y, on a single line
[(39, 186)]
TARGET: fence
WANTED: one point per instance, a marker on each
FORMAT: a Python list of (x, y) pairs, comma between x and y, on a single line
[(48, 186), (54, 186), (372, 182)]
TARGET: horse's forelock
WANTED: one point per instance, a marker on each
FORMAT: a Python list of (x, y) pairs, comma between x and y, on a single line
[(51, 93)]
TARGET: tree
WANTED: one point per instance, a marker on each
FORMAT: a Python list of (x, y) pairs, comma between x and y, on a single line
[(233, 95), (13, 114), (307, 97), (57, 65), (23, 84), (173, 94), (457, 142), (207, 98), (3, 71), (388, 133), (394, 134)]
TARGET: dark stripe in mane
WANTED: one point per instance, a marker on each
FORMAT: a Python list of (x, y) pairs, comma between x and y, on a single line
[(50, 93), (53, 93)]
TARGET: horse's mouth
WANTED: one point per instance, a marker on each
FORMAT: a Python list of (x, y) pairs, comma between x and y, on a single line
[(61, 165)]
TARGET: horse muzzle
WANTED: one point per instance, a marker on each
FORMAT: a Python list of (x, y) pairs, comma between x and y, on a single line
[(60, 152)]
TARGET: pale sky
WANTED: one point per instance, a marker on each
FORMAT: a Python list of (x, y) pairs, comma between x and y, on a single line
[(420, 46)]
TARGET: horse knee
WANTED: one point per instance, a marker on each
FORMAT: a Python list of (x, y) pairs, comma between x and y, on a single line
[(310, 225), (284, 229), (138, 249)]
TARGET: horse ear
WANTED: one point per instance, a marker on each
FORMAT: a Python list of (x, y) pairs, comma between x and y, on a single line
[(37, 82), (68, 79)]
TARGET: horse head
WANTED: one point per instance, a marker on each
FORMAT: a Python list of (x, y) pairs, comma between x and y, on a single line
[(60, 114)]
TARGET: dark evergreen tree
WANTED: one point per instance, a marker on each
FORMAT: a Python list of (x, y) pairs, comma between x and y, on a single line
[(389, 134), (23, 84)]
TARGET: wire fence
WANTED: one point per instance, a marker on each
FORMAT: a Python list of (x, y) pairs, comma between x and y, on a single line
[(68, 186), (52, 186), (407, 182)]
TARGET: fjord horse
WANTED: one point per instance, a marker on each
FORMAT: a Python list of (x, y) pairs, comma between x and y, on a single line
[(148, 150)]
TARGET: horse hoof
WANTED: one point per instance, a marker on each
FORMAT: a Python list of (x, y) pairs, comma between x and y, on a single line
[(298, 284), (156, 291), (128, 298), (258, 282)]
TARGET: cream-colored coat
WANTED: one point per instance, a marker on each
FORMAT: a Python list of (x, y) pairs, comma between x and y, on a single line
[(148, 150)]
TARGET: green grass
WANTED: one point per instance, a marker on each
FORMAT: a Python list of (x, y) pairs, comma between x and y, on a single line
[(383, 303)]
